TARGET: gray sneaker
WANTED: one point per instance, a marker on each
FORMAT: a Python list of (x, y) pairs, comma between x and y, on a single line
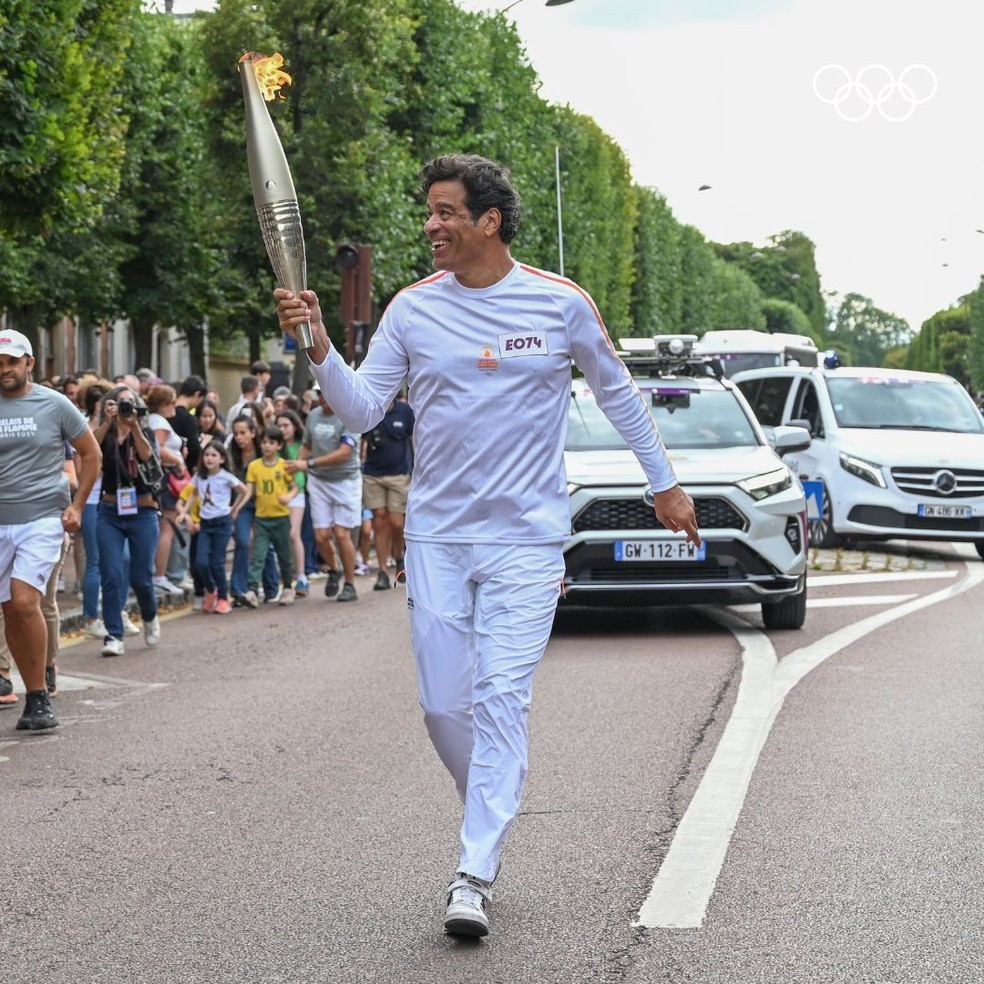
[(467, 898), (348, 593), (152, 631), (331, 585)]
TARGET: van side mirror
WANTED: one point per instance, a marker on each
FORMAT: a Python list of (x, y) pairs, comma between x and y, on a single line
[(791, 437)]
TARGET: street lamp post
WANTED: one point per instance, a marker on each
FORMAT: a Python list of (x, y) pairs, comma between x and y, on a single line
[(560, 211)]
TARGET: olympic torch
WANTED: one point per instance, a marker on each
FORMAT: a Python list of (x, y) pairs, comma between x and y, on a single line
[(269, 175)]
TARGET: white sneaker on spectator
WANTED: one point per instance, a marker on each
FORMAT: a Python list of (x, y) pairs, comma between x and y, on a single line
[(274, 598), (287, 596), (112, 647), (186, 583), (95, 629), (168, 587), (129, 628), (152, 631)]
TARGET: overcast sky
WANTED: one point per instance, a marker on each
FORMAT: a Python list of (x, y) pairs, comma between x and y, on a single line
[(888, 183), (731, 93)]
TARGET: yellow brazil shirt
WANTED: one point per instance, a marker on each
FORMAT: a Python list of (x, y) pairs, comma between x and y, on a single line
[(269, 482)]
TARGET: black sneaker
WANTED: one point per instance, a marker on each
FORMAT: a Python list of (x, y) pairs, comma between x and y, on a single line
[(7, 696), (38, 713), (51, 680), (382, 582), (348, 593), (331, 585)]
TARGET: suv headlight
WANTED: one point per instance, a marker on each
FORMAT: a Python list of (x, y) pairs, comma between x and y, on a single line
[(762, 486), (867, 471)]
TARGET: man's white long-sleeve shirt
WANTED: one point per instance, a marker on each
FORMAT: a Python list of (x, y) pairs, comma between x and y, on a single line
[(489, 377)]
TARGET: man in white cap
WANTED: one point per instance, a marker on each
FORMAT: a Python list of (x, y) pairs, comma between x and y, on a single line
[(36, 509)]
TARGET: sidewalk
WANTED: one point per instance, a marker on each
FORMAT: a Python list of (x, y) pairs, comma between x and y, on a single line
[(73, 623)]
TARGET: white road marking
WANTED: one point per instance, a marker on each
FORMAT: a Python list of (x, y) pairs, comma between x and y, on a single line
[(835, 580), (685, 881), (67, 682), (837, 602)]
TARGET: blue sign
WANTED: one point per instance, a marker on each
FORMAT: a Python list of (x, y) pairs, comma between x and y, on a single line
[(814, 499), (290, 344)]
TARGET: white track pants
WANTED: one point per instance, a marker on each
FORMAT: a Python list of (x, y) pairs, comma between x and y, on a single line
[(480, 620)]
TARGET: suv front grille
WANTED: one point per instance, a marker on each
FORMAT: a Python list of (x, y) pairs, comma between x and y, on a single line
[(919, 481), (634, 514)]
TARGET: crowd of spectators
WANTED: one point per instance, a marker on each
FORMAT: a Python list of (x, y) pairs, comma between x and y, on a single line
[(141, 543)]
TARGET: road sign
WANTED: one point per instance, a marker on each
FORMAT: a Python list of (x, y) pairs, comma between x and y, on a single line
[(814, 500)]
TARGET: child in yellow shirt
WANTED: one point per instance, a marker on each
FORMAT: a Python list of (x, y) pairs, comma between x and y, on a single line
[(273, 488)]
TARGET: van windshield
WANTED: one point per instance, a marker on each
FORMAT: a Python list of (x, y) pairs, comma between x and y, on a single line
[(903, 404)]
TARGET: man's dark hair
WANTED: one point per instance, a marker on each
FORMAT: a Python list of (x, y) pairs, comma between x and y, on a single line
[(193, 386), (259, 366), (248, 384), (486, 184)]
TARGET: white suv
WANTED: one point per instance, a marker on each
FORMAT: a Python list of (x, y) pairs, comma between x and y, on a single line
[(900, 454), (751, 510)]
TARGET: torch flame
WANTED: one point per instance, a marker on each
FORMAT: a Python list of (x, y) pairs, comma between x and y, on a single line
[(268, 74)]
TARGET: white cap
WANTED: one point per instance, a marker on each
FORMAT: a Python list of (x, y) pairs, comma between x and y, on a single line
[(15, 344)]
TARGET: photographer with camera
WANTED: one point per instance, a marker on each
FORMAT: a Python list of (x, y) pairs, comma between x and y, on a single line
[(127, 515)]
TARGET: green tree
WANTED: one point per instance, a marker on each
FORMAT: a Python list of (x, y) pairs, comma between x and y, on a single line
[(61, 145), (735, 299), (785, 316), (657, 291), (866, 331)]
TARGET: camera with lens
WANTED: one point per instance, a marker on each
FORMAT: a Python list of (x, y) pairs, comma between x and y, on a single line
[(127, 408)]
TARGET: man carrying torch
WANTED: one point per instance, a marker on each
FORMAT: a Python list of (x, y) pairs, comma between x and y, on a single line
[(486, 346)]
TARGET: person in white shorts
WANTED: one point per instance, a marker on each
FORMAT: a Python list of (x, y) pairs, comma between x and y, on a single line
[(485, 345), (36, 509), (330, 457)]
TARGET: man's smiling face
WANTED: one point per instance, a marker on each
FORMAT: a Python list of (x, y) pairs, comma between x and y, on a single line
[(458, 243)]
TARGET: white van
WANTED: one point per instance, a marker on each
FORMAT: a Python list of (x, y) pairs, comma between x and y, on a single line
[(743, 348), (900, 454)]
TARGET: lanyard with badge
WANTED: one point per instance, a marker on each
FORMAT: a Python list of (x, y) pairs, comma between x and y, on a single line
[(126, 495)]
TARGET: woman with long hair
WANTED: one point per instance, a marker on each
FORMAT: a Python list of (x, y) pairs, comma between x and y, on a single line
[(209, 426), (126, 515)]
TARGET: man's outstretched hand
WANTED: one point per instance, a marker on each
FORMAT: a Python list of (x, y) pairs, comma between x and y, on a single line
[(675, 510)]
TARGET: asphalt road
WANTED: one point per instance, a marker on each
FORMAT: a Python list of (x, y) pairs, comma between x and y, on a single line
[(257, 801)]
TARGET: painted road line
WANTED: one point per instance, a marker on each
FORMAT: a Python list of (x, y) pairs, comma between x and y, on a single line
[(684, 884), (832, 580), (836, 602)]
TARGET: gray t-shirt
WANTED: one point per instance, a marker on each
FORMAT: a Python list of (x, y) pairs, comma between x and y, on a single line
[(323, 433), (33, 431)]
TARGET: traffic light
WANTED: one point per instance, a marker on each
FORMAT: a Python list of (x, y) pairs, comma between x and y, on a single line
[(354, 262)]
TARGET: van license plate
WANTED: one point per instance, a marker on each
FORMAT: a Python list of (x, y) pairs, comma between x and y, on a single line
[(945, 512), (649, 550)]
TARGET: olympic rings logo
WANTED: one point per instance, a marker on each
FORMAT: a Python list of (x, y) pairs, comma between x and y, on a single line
[(875, 87)]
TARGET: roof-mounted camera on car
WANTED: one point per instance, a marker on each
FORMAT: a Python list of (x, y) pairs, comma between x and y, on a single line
[(662, 355)]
